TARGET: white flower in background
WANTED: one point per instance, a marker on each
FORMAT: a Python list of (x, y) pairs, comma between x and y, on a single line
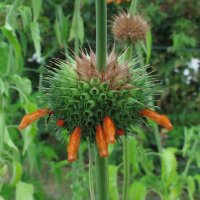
[(194, 64), (186, 72), (36, 58)]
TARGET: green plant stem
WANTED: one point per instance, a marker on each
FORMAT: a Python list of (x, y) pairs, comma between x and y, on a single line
[(126, 170), (91, 171), (101, 164), (157, 137), (77, 17), (126, 144), (101, 167), (101, 34), (133, 7)]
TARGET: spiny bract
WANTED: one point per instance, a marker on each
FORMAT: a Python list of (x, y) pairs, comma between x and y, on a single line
[(81, 95)]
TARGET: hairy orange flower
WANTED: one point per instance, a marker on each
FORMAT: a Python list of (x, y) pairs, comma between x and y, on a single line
[(60, 122), (30, 118), (117, 1), (101, 141), (73, 145), (109, 130), (120, 132), (162, 120)]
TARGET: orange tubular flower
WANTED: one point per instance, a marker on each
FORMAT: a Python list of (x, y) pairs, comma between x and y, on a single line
[(120, 132), (162, 120), (60, 122), (73, 145), (109, 130), (30, 118), (101, 142)]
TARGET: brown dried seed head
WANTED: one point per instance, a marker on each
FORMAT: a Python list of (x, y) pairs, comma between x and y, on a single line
[(127, 27), (116, 75)]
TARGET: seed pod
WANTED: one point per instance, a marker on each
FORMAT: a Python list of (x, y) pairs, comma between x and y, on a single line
[(73, 145), (162, 120), (30, 118), (60, 122), (109, 129), (129, 28), (120, 132), (101, 141)]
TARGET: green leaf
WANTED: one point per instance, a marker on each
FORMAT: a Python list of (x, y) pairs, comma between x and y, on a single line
[(23, 84), (148, 46), (197, 178), (30, 132), (176, 188), (37, 5), (17, 173), (168, 165), (8, 140), (77, 29), (137, 191), (61, 27), (4, 50), (24, 191), (26, 15), (35, 33), (134, 154), (190, 187), (9, 34), (113, 188), (58, 33)]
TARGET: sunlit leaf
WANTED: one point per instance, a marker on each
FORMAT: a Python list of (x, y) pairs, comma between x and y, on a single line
[(168, 165), (35, 32), (190, 187), (9, 141), (24, 191), (137, 191), (17, 173), (37, 5)]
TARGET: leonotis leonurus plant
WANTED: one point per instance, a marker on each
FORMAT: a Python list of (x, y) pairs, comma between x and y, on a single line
[(97, 106)]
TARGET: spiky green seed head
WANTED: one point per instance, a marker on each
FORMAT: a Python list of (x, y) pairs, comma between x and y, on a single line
[(82, 96)]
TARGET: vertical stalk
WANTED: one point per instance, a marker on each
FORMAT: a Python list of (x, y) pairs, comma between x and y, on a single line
[(77, 17), (157, 137), (101, 33), (101, 164), (126, 170), (126, 144), (76, 173), (133, 7), (91, 171)]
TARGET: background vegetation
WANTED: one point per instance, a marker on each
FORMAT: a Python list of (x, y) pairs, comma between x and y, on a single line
[(33, 163)]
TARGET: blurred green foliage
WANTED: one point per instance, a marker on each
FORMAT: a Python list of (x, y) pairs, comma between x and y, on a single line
[(33, 164)]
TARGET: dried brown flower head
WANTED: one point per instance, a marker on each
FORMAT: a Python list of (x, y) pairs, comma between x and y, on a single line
[(116, 75), (127, 27)]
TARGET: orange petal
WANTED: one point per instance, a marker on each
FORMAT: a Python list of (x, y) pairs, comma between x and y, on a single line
[(162, 120), (30, 118), (109, 130), (101, 141), (120, 132), (73, 145)]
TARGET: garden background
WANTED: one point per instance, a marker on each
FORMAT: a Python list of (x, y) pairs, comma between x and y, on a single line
[(33, 163)]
